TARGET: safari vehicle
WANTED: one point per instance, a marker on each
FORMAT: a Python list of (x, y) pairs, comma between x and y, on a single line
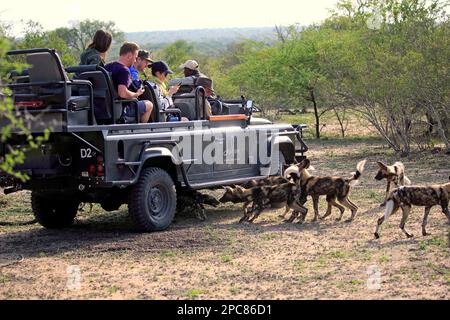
[(93, 155)]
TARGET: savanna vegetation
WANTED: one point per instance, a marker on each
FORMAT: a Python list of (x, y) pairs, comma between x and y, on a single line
[(371, 81), (384, 61)]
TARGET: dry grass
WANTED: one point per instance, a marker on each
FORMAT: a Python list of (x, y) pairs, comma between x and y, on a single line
[(220, 258)]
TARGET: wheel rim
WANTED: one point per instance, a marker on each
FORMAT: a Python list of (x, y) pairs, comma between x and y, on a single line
[(157, 201)]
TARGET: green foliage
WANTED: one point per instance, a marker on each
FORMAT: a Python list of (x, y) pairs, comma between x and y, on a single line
[(13, 124), (80, 34)]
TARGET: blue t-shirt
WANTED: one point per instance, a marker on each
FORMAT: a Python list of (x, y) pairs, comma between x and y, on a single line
[(134, 73), (120, 74)]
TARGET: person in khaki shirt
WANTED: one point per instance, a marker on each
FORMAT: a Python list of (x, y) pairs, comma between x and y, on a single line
[(207, 84)]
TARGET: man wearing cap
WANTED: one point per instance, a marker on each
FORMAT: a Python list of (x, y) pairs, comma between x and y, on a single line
[(190, 68), (143, 60), (160, 72)]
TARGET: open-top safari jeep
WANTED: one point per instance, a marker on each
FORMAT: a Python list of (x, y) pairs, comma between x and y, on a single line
[(93, 157)]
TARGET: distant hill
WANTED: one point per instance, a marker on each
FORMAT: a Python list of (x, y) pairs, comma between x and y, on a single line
[(217, 38)]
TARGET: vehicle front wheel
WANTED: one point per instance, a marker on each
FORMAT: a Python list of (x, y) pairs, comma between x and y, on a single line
[(153, 200), (54, 213)]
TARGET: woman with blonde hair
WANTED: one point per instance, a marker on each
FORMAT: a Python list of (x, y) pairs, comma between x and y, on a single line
[(97, 50)]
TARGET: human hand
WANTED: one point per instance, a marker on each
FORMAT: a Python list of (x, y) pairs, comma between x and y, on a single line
[(173, 90), (140, 91)]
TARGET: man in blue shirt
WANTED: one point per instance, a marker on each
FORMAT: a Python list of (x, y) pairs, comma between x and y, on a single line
[(143, 61)]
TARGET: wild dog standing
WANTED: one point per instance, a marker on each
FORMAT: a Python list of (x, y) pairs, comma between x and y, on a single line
[(393, 174), (424, 196), (262, 197), (233, 195), (334, 188)]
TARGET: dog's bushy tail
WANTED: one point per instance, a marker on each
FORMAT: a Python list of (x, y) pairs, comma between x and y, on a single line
[(289, 172), (359, 171)]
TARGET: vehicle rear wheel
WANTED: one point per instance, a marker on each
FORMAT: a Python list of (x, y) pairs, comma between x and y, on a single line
[(54, 213), (153, 200)]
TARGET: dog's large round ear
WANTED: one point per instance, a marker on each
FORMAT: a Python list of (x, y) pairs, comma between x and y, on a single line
[(382, 165), (305, 164), (228, 189), (240, 189)]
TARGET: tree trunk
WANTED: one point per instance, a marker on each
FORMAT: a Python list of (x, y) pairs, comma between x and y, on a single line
[(316, 112)]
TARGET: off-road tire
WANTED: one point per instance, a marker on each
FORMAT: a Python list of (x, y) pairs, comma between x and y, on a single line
[(54, 213), (153, 201)]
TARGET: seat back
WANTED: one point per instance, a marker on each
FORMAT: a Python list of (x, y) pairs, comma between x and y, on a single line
[(187, 108), (47, 67), (103, 95), (151, 95)]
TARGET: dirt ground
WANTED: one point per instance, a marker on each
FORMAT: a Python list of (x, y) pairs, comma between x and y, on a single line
[(100, 258)]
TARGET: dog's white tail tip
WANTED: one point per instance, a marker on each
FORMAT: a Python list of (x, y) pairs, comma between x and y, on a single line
[(407, 181), (389, 208), (361, 165)]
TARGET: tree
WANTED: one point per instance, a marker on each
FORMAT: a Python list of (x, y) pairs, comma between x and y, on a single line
[(36, 37), (381, 71), (80, 34)]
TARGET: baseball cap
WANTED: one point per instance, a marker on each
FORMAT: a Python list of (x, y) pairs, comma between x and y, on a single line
[(190, 64), (144, 54), (160, 66)]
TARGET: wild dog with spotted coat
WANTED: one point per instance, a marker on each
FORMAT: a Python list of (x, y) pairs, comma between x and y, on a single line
[(257, 199), (334, 188), (393, 174), (423, 196), (233, 195)]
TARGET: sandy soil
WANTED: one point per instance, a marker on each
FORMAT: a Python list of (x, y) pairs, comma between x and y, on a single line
[(100, 258)]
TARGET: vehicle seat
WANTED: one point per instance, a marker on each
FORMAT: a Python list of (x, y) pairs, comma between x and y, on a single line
[(46, 67), (187, 109), (103, 97)]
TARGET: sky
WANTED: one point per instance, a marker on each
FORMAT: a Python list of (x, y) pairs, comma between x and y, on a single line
[(168, 14)]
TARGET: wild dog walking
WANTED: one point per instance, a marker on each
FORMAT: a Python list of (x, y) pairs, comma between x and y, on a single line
[(334, 188), (424, 196), (233, 195), (258, 199), (393, 174)]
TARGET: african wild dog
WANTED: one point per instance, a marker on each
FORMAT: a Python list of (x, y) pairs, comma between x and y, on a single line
[(424, 196), (232, 195), (393, 174), (257, 199), (334, 188)]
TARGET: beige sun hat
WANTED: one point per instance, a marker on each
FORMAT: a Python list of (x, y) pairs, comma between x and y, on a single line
[(190, 64)]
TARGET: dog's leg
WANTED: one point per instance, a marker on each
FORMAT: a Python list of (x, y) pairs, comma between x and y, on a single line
[(341, 209), (246, 211), (287, 210), (388, 187), (391, 208), (329, 208), (425, 221), (406, 210), (444, 205), (256, 214), (351, 206), (303, 216), (316, 207), (293, 216)]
